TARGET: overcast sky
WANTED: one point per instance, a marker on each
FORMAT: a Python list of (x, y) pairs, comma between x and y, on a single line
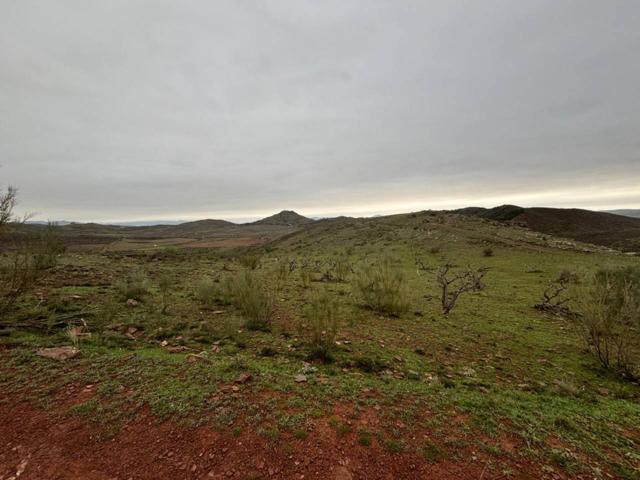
[(184, 109)]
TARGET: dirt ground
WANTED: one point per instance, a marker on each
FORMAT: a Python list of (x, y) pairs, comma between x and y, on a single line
[(35, 444)]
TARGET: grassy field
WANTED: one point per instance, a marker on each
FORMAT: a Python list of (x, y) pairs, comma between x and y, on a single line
[(494, 380)]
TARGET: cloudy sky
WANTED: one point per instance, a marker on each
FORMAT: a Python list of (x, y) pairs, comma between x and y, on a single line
[(184, 109)]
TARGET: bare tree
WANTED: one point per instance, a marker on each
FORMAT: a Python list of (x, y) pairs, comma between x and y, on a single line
[(455, 283), (7, 204)]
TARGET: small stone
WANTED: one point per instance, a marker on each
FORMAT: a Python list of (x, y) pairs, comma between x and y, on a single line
[(131, 303), (300, 378), (58, 353), (244, 378)]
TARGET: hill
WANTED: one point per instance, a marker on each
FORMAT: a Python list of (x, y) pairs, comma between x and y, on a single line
[(599, 228), (633, 213), (285, 217)]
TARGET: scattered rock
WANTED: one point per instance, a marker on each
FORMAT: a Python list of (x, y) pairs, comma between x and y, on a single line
[(131, 303), (468, 372), (58, 353), (300, 378), (192, 358), (243, 378), (413, 375)]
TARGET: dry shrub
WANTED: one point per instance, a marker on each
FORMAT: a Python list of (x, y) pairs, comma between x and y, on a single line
[(382, 288), (610, 319), (455, 283), (21, 266), (254, 299), (250, 261), (322, 313)]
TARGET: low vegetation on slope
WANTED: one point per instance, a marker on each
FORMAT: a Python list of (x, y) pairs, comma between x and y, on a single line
[(339, 331), (601, 228)]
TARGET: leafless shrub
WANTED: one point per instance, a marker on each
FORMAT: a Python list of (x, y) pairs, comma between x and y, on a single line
[(7, 204), (556, 297), (455, 283)]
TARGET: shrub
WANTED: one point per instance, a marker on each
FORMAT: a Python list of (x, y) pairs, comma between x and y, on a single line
[(322, 315), (206, 291), (253, 299), (135, 286), (555, 297), (18, 273), (250, 261), (488, 252), (165, 283), (306, 277), (434, 250), (453, 284), (382, 288), (610, 319), (21, 267)]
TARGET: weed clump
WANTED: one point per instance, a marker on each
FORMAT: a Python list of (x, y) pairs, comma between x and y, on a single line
[(252, 298), (206, 291), (323, 319), (135, 286), (382, 289), (250, 261)]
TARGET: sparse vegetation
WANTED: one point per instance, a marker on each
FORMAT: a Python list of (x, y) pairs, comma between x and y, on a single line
[(555, 298), (323, 322), (454, 283), (206, 291), (253, 298), (382, 288), (610, 319), (135, 286), (249, 260)]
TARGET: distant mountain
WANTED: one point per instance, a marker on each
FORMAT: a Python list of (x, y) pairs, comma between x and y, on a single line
[(626, 212), (600, 228), (285, 217)]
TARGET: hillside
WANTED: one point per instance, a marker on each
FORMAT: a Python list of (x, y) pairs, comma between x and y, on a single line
[(633, 213), (182, 377), (285, 217), (599, 228)]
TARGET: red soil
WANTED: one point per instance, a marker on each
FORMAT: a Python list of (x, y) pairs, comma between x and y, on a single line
[(44, 445)]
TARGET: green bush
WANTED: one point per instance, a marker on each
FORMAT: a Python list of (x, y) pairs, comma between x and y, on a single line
[(252, 298), (250, 261), (322, 313), (206, 291), (610, 319), (382, 288), (135, 286)]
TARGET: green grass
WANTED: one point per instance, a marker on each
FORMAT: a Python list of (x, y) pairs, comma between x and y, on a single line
[(494, 361)]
